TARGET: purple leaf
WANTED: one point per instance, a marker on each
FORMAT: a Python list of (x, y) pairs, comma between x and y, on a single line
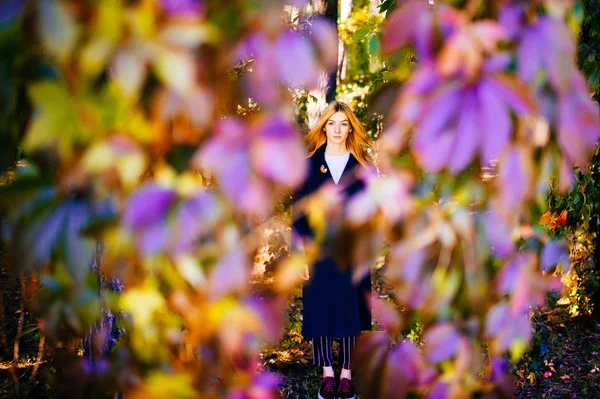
[(153, 238), (496, 319), (408, 359), (440, 390), (254, 45), (229, 275), (515, 177), (265, 380), (263, 82), (234, 174), (439, 111), (559, 52), (499, 365), (495, 124), (195, 218), (9, 9), (39, 239), (548, 43), (386, 314), (78, 250), (325, 37), (280, 152), (147, 205), (270, 311), (512, 18), (389, 194), (435, 157), (441, 342), (578, 122), (512, 92), (412, 265), (498, 234), (530, 54), (293, 57), (554, 253), (227, 156), (497, 62), (182, 7), (466, 140), (403, 24), (398, 374), (566, 176), (510, 274), (438, 114)]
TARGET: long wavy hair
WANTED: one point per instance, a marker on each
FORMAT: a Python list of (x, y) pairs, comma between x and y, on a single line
[(357, 141)]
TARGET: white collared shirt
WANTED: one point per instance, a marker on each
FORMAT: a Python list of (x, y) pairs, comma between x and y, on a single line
[(336, 164)]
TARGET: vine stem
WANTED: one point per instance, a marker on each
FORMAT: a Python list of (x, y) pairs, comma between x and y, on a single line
[(39, 357), (3, 323), (18, 335)]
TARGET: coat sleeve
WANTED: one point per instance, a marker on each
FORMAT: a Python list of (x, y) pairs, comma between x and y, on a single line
[(300, 226)]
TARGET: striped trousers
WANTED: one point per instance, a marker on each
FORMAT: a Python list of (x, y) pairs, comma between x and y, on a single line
[(323, 351)]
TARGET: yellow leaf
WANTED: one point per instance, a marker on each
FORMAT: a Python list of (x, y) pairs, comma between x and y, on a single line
[(517, 349), (186, 33), (53, 124), (58, 29), (130, 168), (109, 19), (142, 21), (135, 123), (94, 56), (129, 69), (142, 302), (102, 156), (176, 69), (188, 183), (190, 269), (98, 157), (162, 385), (290, 272)]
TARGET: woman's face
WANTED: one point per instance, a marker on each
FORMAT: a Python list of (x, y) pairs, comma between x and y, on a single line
[(337, 128)]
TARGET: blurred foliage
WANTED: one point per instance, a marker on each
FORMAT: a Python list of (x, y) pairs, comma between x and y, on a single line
[(582, 202), (363, 67), (589, 44), (167, 133)]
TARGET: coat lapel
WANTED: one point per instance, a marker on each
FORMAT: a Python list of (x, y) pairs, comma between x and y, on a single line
[(349, 170), (323, 167), (347, 173)]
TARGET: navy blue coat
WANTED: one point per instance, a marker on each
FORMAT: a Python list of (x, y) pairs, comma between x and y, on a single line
[(334, 306)]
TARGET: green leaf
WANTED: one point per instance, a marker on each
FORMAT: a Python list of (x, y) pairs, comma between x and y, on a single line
[(98, 224), (21, 190), (78, 251), (54, 125), (374, 45), (361, 34)]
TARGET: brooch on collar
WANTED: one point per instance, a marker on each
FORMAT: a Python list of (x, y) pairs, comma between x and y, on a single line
[(323, 169)]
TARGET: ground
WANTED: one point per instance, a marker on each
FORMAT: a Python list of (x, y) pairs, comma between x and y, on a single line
[(564, 361), (568, 368)]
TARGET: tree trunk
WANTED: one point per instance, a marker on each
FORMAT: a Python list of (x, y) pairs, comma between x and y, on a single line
[(326, 92), (328, 9)]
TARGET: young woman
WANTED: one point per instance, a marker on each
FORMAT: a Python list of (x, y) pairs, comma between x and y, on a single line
[(334, 306)]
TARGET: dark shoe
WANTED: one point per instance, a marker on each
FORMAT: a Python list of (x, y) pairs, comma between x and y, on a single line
[(346, 390), (327, 390)]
